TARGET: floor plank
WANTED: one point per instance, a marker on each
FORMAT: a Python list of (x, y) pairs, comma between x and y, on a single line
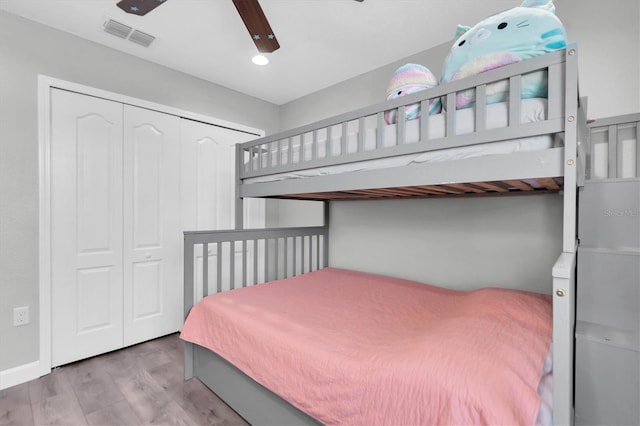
[(141, 384), (50, 385), (118, 414), (145, 395), (203, 405), (60, 409), (15, 406), (94, 388)]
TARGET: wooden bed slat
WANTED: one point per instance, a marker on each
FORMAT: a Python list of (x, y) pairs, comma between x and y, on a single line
[(444, 190), (492, 186), (466, 187), (522, 186), (549, 183)]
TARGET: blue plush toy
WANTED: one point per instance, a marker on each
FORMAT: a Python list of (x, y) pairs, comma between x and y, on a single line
[(508, 37)]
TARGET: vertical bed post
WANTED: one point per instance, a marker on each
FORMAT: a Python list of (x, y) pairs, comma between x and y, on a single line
[(188, 300), (325, 248), (571, 150), (239, 212), (564, 279)]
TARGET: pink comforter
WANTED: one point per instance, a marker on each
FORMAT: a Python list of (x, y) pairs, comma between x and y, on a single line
[(355, 348)]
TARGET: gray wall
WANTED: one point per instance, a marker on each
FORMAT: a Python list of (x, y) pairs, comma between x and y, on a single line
[(26, 50), (354, 93), (608, 38), (472, 242), (456, 243)]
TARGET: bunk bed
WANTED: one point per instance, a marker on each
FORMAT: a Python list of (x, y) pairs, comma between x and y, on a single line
[(458, 153)]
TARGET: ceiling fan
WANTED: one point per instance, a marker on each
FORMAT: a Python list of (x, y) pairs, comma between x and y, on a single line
[(249, 10)]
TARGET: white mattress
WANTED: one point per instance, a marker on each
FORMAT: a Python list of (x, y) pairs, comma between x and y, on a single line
[(531, 110)]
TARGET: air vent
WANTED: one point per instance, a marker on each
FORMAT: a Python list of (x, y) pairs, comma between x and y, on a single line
[(117, 29), (121, 30), (143, 39)]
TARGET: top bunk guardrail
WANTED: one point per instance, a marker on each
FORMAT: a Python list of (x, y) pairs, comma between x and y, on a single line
[(302, 148), (311, 162), (614, 148)]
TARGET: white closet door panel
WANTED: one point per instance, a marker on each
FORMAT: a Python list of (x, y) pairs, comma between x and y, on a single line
[(152, 282), (208, 177), (86, 215)]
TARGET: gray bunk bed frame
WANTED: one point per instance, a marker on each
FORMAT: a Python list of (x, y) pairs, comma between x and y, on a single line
[(283, 252)]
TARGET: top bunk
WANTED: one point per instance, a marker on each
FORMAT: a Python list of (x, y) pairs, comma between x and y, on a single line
[(513, 147)]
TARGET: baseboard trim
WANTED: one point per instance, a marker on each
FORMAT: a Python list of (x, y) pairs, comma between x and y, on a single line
[(22, 374)]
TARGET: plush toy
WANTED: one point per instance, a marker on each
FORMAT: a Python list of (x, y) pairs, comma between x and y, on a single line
[(411, 78), (508, 37)]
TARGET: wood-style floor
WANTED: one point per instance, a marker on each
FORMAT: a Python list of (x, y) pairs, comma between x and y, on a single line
[(139, 385)]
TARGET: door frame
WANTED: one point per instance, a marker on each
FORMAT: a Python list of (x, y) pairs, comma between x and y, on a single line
[(45, 84)]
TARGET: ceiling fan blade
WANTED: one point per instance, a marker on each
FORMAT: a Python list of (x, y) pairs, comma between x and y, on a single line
[(139, 7), (257, 24)]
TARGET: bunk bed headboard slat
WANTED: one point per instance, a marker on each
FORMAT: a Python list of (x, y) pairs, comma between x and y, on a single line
[(450, 118), (613, 151), (481, 108), (424, 120), (555, 87), (401, 123), (380, 130), (205, 269), (515, 101)]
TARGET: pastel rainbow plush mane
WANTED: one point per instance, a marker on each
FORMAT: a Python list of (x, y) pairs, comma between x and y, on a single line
[(408, 79), (508, 37)]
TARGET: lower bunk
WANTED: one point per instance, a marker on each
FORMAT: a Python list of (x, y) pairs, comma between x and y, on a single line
[(323, 345)]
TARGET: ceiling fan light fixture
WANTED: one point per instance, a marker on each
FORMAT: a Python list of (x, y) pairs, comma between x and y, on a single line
[(260, 59)]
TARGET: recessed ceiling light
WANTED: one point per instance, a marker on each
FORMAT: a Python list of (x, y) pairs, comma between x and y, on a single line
[(260, 60)]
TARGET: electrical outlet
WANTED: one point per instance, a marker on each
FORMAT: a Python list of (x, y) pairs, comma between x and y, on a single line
[(20, 316)]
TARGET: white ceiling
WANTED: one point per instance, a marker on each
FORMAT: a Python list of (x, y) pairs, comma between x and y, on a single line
[(322, 42)]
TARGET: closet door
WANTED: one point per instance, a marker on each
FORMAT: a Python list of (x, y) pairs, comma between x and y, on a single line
[(152, 281), (86, 226), (208, 186)]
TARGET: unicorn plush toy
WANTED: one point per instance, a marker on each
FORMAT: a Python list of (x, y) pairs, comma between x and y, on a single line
[(508, 37), (408, 79)]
